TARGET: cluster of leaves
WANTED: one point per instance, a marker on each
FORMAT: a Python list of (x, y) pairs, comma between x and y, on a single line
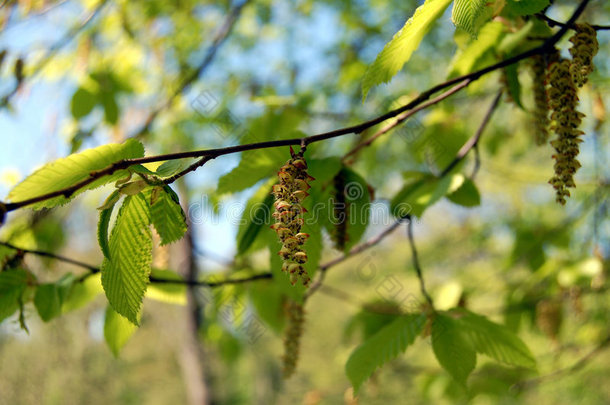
[(126, 268)]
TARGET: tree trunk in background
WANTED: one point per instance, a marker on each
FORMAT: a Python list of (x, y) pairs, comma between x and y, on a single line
[(192, 357)]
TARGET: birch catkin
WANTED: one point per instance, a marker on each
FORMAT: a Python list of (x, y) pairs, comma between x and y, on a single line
[(289, 193)]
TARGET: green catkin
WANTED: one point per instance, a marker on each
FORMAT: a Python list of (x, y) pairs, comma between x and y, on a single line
[(565, 120), (295, 313), (541, 104), (289, 193), (340, 212), (584, 48)]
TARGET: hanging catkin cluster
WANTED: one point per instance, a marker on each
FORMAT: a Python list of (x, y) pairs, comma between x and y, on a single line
[(292, 339), (541, 104), (565, 120), (289, 193), (584, 48), (338, 233)]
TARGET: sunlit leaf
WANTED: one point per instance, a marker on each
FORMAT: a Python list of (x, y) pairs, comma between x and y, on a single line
[(125, 273), (117, 330), (383, 346), (399, 50), (70, 170), (451, 348), (167, 215)]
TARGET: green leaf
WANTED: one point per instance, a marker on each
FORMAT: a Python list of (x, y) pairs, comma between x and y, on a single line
[(82, 292), (111, 108), (496, 341), (47, 301), (167, 215), (246, 174), (465, 61), (514, 40), (454, 353), (169, 293), (373, 317), (170, 167), (125, 274), (419, 193), (117, 330), (82, 103), (12, 284), (382, 347), (104, 222), (466, 194), (466, 13), (75, 168), (399, 50), (259, 164), (517, 8), (268, 301), (256, 215)]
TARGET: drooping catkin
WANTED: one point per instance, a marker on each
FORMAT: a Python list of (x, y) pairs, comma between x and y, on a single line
[(338, 233), (289, 193), (565, 120), (541, 104), (584, 48), (295, 314)]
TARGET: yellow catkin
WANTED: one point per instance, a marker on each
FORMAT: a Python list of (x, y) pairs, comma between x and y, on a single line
[(584, 48), (295, 314), (541, 104), (565, 120), (289, 193)]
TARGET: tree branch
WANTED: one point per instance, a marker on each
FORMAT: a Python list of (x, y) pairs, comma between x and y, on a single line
[(356, 129), (354, 251), (555, 23), (474, 141), (405, 115)]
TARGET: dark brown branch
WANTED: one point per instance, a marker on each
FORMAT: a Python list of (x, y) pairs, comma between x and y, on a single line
[(220, 37), (51, 256), (555, 23), (356, 129)]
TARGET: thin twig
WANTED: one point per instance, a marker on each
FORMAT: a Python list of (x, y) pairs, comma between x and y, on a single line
[(582, 362), (472, 142), (356, 129), (416, 264), (555, 23), (405, 115), (354, 251), (51, 256)]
